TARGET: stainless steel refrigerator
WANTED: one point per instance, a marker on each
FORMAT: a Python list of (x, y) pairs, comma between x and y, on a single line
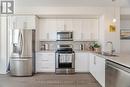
[(22, 60)]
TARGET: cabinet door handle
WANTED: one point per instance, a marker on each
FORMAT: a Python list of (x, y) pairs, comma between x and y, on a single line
[(44, 60), (44, 67), (94, 60)]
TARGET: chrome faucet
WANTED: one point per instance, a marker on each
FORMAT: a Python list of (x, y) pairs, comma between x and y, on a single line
[(112, 50)]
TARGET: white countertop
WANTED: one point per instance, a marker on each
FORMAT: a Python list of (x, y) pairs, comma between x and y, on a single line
[(123, 59), (46, 51)]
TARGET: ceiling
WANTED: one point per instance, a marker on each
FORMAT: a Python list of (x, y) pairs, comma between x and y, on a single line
[(71, 3)]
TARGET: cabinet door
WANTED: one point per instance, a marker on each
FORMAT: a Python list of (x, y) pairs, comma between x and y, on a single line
[(89, 29), (12, 22), (19, 22), (47, 29), (86, 30), (60, 25), (51, 29), (81, 62), (68, 25), (23, 22), (76, 27), (100, 70), (92, 63), (45, 62), (93, 24), (43, 29), (29, 22), (97, 68)]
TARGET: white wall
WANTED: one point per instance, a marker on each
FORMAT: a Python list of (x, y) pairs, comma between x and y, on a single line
[(3, 45)]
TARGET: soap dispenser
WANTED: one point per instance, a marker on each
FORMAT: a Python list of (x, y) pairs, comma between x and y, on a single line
[(81, 46)]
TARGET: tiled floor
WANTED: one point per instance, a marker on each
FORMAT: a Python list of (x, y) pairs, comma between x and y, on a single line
[(49, 80)]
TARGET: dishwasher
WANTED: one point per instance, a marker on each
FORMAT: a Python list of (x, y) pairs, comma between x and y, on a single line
[(116, 75)]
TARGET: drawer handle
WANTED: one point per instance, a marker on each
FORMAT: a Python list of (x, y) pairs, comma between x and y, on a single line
[(44, 67), (94, 60), (44, 60)]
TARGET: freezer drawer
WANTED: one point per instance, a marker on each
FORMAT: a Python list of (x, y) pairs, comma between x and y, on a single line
[(21, 67)]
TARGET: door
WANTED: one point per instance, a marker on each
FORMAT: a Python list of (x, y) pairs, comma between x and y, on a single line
[(22, 43)]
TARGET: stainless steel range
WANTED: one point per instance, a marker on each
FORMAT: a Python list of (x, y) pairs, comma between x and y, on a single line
[(65, 60)]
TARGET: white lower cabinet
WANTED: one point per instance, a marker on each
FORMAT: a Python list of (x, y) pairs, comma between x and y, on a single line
[(45, 62), (84, 62), (97, 68), (81, 62)]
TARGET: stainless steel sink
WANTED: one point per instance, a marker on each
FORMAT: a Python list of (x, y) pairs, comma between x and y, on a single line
[(110, 55)]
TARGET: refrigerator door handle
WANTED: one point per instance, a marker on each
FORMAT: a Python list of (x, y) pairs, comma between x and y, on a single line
[(21, 44), (19, 47)]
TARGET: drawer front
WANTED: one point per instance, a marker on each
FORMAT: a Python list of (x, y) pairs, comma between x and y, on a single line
[(45, 56), (45, 64), (45, 60), (45, 70)]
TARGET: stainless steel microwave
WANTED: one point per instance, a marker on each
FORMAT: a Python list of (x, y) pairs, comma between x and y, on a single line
[(64, 36)]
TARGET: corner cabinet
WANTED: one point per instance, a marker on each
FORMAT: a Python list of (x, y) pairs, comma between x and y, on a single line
[(81, 62), (22, 22), (45, 62), (97, 68)]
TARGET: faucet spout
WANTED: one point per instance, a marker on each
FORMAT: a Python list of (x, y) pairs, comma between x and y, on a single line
[(111, 47)]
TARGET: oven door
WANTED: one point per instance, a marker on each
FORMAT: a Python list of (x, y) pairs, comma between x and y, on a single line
[(66, 60)]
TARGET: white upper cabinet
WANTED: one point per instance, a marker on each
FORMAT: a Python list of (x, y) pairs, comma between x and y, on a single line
[(68, 25), (60, 24), (22, 22), (89, 29), (77, 31), (83, 29), (47, 29), (30, 22)]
